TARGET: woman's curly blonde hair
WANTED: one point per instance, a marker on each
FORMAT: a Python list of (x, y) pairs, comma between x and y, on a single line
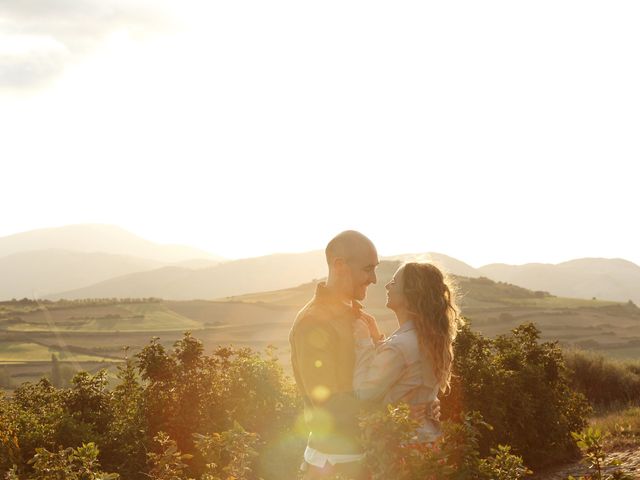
[(431, 299)]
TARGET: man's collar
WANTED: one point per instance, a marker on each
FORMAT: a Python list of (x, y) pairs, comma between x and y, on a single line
[(327, 295)]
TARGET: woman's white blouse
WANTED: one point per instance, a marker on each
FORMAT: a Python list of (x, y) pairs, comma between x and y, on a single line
[(395, 371)]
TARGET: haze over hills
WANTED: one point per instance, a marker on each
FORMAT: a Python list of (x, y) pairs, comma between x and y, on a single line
[(608, 279), (270, 272), (35, 274), (444, 262), (40, 262), (601, 278), (229, 278), (93, 261), (98, 238)]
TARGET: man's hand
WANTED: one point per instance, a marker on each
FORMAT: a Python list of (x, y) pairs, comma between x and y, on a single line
[(372, 325)]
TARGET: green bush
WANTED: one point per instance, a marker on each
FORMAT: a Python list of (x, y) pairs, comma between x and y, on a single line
[(178, 413), (70, 464), (392, 453), (521, 387), (168, 463), (167, 395), (32, 419), (590, 442), (229, 454), (605, 382), (187, 392)]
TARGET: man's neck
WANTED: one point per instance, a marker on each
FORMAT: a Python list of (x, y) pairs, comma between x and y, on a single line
[(333, 288)]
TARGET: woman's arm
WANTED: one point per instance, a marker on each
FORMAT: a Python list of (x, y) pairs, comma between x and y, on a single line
[(377, 369)]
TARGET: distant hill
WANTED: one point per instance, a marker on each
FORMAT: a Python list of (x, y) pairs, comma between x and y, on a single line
[(38, 273), (472, 292), (602, 278), (444, 262), (41, 262), (98, 238), (196, 263), (229, 278), (606, 279), (118, 263), (494, 308)]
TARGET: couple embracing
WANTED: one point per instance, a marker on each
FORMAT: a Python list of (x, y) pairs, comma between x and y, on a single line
[(341, 362)]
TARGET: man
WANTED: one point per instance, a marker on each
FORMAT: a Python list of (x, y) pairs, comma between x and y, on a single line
[(323, 358)]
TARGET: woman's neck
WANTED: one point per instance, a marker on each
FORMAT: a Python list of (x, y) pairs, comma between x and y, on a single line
[(403, 317)]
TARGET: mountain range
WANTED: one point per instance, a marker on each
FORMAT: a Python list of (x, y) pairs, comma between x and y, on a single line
[(603, 278), (92, 261)]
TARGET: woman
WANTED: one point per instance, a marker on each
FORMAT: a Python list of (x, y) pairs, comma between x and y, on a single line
[(414, 364)]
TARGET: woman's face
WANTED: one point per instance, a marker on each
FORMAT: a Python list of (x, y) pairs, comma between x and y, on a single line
[(395, 292)]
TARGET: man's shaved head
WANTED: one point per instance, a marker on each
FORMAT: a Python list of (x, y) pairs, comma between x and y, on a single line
[(352, 260), (347, 244)]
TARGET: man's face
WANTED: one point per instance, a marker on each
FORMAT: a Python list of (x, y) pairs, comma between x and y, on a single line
[(362, 271)]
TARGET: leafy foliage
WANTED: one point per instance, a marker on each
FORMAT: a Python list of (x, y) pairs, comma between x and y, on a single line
[(166, 401), (605, 382), (392, 452), (590, 443), (177, 413), (229, 454), (521, 387), (168, 462), (70, 464)]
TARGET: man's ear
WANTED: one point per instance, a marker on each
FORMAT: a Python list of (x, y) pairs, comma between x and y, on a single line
[(339, 264)]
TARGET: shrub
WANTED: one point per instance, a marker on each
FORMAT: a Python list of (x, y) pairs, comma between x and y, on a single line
[(168, 462), (590, 442), (233, 414), (186, 392), (605, 382), (228, 454), (522, 388), (70, 464), (179, 391), (391, 451), (34, 415)]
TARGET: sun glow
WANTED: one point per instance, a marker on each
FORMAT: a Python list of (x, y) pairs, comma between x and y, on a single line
[(247, 129)]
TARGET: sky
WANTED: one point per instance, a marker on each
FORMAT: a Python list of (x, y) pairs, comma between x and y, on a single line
[(493, 131)]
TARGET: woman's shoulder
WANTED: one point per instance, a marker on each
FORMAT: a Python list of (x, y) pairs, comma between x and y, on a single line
[(406, 342)]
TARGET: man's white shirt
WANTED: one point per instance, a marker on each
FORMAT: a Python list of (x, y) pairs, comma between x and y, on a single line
[(319, 459)]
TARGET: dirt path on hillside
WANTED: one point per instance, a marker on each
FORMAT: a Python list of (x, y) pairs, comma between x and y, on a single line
[(630, 463)]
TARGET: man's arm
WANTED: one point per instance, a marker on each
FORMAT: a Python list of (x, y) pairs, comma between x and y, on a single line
[(316, 359), (316, 354)]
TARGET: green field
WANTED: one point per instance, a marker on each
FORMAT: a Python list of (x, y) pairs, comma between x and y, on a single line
[(136, 317), (12, 353), (95, 331)]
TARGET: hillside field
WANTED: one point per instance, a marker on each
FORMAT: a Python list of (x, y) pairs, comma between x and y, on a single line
[(92, 333)]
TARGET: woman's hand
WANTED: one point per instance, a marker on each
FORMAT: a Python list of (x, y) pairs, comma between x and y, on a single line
[(361, 329), (425, 411), (434, 414), (372, 325)]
